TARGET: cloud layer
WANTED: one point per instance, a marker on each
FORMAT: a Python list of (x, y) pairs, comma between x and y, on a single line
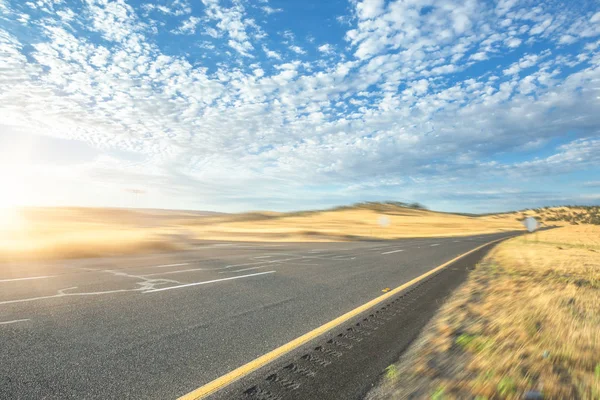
[(462, 105)]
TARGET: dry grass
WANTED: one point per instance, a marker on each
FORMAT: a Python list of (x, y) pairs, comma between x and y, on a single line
[(528, 319), (354, 223), (85, 232), (77, 232), (561, 216)]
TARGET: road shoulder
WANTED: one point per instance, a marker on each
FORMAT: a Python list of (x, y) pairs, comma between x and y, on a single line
[(522, 326)]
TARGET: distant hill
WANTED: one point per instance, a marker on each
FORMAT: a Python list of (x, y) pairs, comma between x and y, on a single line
[(558, 215), (562, 215), (85, 232)]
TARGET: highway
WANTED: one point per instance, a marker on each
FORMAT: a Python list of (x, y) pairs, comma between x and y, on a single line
[(160, 326)]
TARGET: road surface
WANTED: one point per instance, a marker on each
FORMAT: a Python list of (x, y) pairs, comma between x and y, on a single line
[(160, 326)]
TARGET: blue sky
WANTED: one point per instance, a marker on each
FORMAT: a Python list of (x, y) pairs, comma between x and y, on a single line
[(462, 105)]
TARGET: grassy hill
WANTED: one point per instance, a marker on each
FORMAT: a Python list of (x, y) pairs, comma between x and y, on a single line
[(82, 232), (573, 215)]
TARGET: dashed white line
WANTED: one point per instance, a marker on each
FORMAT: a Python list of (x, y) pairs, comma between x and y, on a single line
[(435, 244), (26, 279), (261, 262), (174, 272), (258, 257), (393, 251), (206, 282), (241, 270), (14, 321), (170, 265), (227, 267)]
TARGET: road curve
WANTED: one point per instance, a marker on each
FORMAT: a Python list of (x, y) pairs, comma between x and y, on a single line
[(160, 326)]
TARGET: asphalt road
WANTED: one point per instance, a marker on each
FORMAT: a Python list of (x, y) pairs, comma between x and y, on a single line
[(159, 326)]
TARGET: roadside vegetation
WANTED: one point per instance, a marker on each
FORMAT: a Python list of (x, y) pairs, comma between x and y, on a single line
[(526, 324), (561, 215), (573, 215)]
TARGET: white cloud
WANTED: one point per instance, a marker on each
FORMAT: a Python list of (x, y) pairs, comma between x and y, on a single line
[(368, 9), (541, 27), (188, 27), (326, 48), (479, 56), (271, 53), (234, 23), (527, 61), (297, 49), (420, 87), (406, 91), (527, 84), (178, 8), (567, 39), (513, 42), (270, 10)]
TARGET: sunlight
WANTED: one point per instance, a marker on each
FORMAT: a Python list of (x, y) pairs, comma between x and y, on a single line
[(14, 193), (9, 218), (14, 187)]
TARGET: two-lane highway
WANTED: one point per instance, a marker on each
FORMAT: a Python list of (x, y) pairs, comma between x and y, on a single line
[(159, 326)]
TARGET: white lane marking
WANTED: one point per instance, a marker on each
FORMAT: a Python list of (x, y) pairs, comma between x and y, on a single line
[(14, 321), (168, 265), (205, 282), (144, 285), (312, 257), (221, 268), (176, 272), (393, 251), (457, 241), (26, 279), (241, 270), (261, 262), (435, 244), (62, 294), (262, 257)]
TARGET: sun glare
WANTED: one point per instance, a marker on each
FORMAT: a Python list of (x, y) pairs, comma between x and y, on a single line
[(9, 218), (13, 193)]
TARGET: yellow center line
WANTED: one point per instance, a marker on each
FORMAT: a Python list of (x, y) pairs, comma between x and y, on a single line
[(227, 379)]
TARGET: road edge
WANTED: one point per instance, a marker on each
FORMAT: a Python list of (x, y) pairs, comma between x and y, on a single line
[(225, 380)]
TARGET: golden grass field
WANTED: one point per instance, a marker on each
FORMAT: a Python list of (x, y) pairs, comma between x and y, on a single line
[(528, 319), (86, 232)]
